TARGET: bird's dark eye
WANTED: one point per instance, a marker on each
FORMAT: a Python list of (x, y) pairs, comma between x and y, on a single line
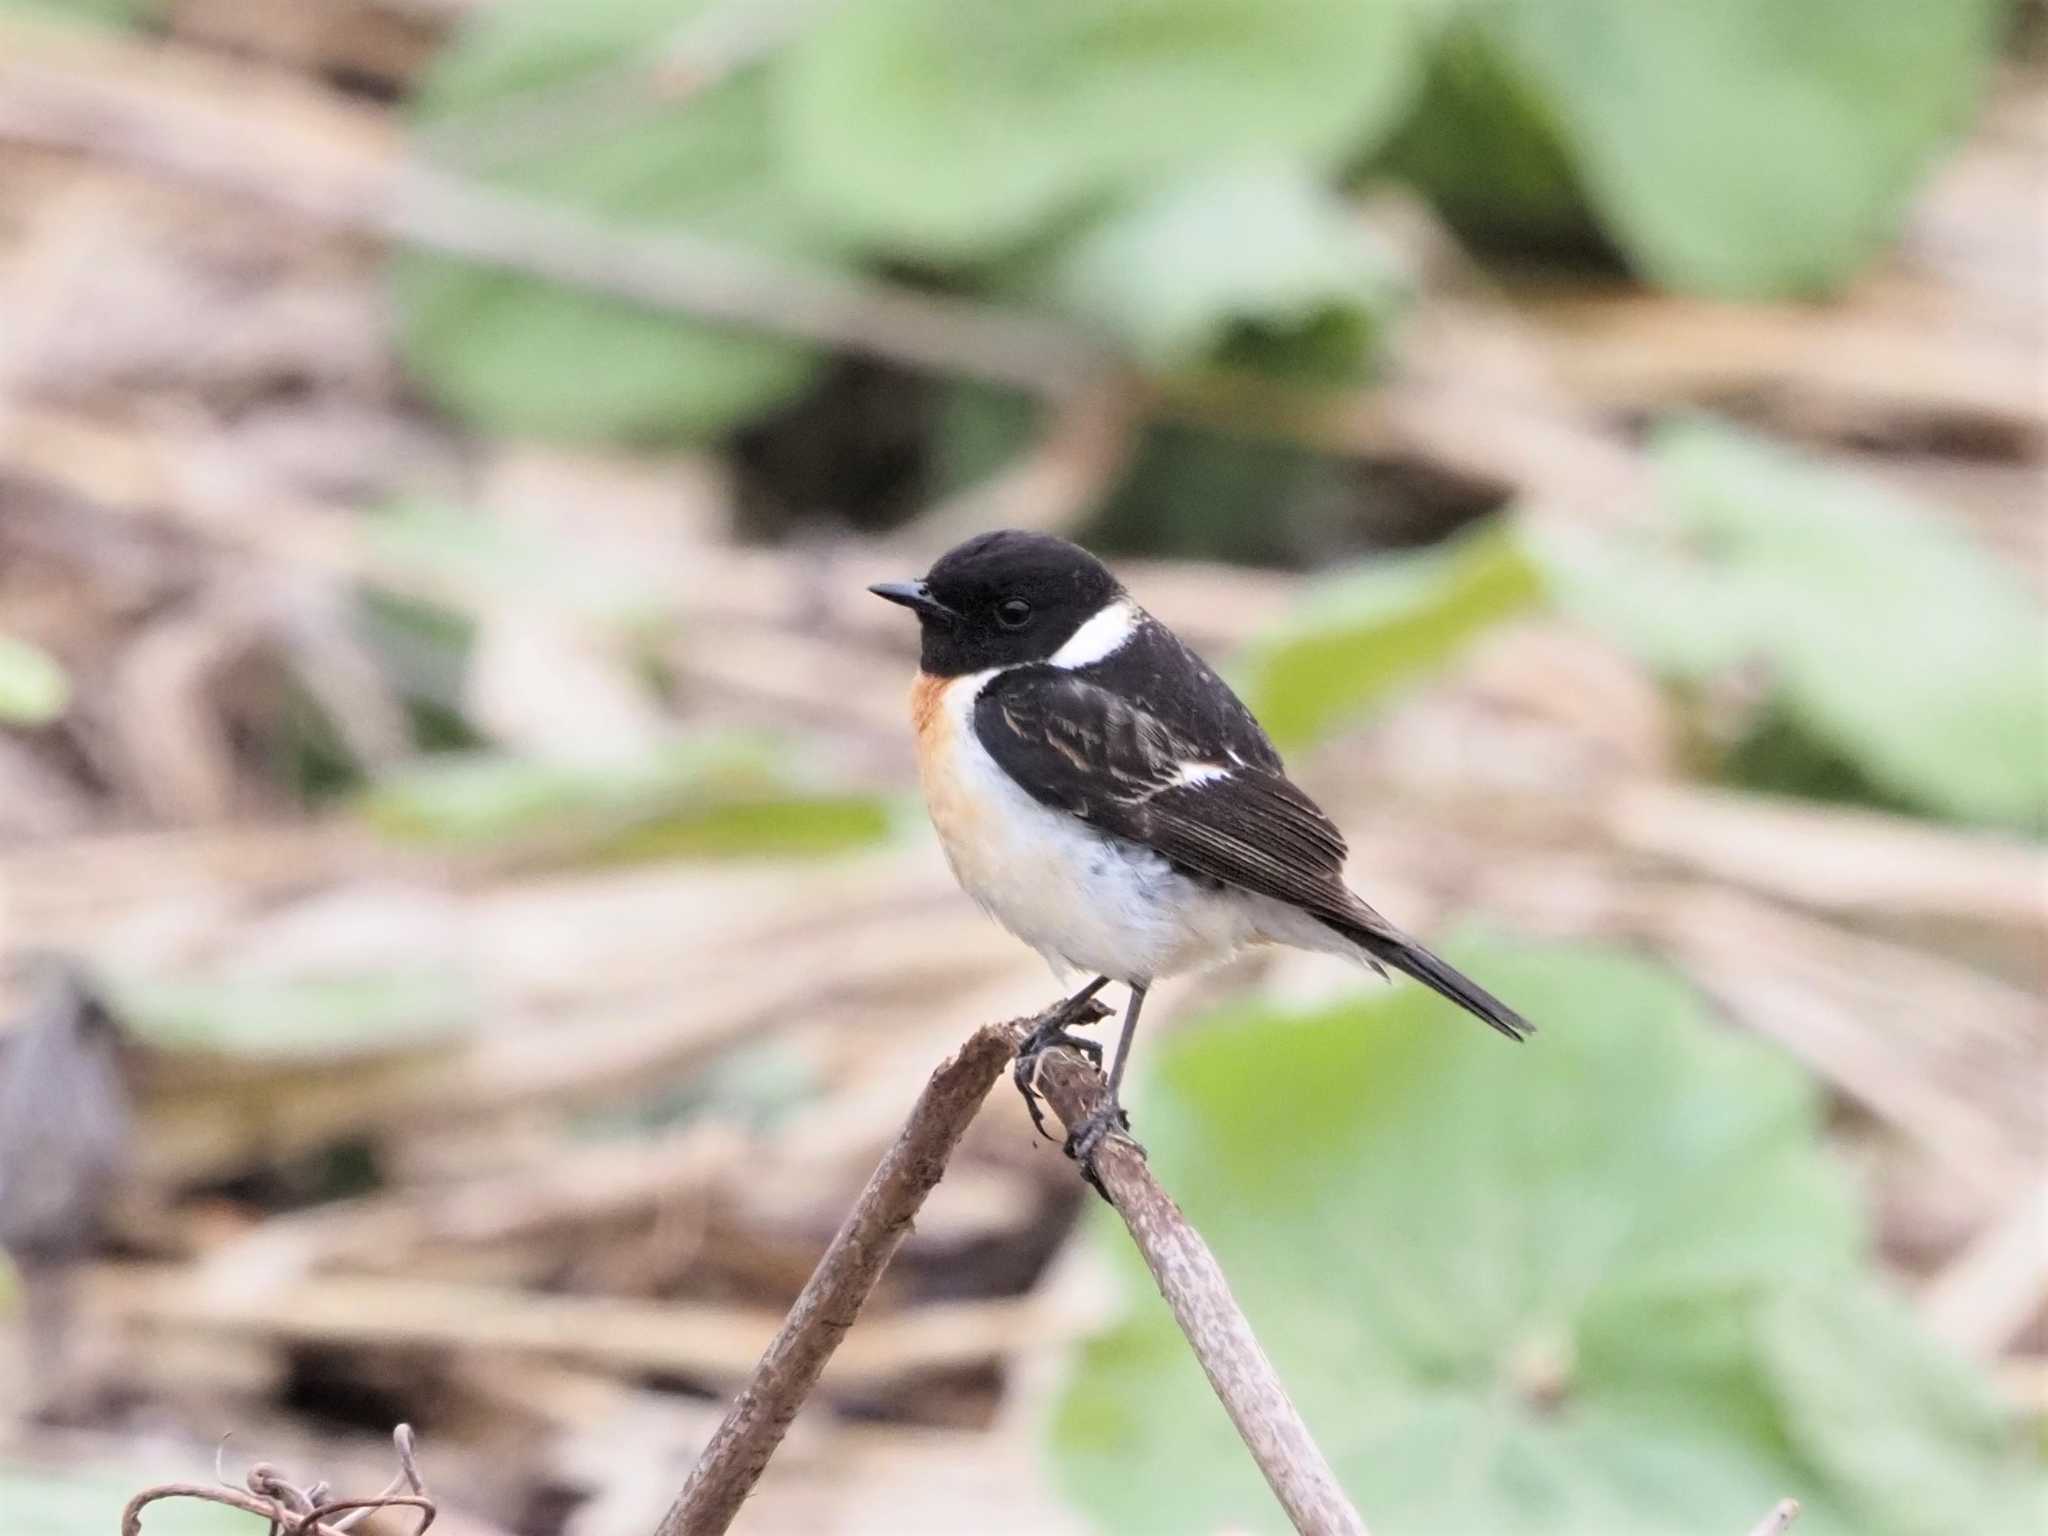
[(1013, 613)]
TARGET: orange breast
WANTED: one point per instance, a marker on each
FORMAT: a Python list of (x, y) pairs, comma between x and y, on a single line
[(948, 795), (927, 703)]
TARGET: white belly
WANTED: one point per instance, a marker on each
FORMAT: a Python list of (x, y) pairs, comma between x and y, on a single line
[(1086, 901)]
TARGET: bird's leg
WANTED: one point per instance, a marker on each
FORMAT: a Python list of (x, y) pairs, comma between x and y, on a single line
[(1053, 1030), (1084, 1138)]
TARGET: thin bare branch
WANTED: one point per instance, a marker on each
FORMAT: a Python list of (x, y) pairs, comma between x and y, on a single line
[(366, 188), (1181, 1263), (1778, 1521), (876, 1226), (409, 202), (1199, 1295)]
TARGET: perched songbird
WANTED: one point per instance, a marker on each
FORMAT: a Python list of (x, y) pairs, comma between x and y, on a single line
[(1106, 797)]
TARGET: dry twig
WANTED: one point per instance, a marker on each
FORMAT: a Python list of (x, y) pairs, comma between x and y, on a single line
[(55, 98), (876, 1226), (1181, 1263), (74, 109), (1195, 1288), (293, 1510)]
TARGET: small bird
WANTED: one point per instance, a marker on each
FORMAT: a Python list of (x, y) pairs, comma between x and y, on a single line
[(1107, 798)]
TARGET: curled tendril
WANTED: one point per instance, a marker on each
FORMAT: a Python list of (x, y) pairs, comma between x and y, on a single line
[(290, 1509)]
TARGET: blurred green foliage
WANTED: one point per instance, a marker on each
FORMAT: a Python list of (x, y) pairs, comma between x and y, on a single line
[(1881, 633), (1186, 490), (1609, 1282), (1895, 663), (1165, 171), (1742, 147), (517, 355), (948, 130), (1254, 265), (312, 1018), (1363, 634), (33, 687), (106, 13), (714, 794), (497, 559), (41, 1502), (1485, 145), (761, 1084)]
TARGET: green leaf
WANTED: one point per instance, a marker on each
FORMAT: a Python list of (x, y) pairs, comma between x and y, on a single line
[(1258, 265), (517, 355), (1485, 144), (519, 563), (1518, 1291), (713, 796), (299, 1017), (1367, 633), (1187, 491), (101, 13), (1744, 147), (43, 1502), (960, 129), (33, 687), (1887, 634), (1874, 1402)]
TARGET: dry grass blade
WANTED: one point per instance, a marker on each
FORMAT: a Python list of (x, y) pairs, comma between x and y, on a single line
[(1987, 1295), (55, 98), (704, 1340), (1862, 863), (1833, 998), (71, 107)]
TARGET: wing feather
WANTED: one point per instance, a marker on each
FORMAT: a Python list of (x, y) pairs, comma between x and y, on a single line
[(1181, 790), (1073, 744)]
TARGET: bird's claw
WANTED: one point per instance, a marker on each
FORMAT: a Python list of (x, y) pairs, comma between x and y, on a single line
[(1086, 1139), (1053, 1031)]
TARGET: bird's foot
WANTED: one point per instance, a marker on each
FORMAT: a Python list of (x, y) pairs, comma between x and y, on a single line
[(1086, 1139), (1055, 1029)]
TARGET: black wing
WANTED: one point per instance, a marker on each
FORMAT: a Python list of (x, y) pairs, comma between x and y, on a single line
[(1187, 788), (1162, 677), (1176, 788)]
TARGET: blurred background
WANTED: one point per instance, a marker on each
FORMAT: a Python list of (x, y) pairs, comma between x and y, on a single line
[(466, 923)]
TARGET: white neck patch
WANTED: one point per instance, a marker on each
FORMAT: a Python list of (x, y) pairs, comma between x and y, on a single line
[(1106, 632)]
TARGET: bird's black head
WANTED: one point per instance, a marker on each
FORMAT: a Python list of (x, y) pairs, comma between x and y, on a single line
[(1003, 598)]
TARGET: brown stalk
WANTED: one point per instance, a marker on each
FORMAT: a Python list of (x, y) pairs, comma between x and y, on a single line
[(1199, 1295), (830, 1301), (1187, 1274)]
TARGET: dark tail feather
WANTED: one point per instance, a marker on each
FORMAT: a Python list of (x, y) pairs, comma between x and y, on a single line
[(1411, 959)]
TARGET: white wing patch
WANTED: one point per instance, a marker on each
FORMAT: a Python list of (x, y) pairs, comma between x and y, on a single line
[(1189, 774), (1105, 633)]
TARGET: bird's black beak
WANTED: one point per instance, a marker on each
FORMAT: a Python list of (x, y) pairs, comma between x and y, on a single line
[(916, 596)]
